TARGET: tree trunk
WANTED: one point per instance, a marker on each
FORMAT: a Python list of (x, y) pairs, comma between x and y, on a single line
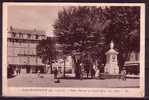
[(51, 68), (64, 67), (76, 67), (74, 60)]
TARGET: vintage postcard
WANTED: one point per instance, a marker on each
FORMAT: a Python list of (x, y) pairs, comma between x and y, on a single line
[(73, 49)]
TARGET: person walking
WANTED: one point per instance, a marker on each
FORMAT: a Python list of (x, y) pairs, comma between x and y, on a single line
[(92, 73), (17, 71), (55, 73), (87, 68), (97, 73), (81, 70), (123, 74), (38, 73)]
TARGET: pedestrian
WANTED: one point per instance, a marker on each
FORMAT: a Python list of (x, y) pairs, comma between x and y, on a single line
[(17, 70), (38, 73), (58, 75), (92, 73), (96, 70), (77, 71), (97, 73), (55, 73), (123, 74), (81, 70), (87, 68)]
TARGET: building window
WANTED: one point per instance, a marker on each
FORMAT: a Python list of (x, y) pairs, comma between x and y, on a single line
[(20, 43), (20, 35), (13, 34), (24, 52), (29, 35), (37, 36), (13, 42)]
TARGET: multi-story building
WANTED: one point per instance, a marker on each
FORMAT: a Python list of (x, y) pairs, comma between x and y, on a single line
[(22, 50)]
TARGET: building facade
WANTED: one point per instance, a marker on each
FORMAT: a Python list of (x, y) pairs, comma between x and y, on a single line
[(22, 50)]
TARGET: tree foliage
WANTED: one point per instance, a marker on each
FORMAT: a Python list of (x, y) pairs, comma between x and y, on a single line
[(124, 27), (124, 30), (80, 29), (46, 50), (89, 30)]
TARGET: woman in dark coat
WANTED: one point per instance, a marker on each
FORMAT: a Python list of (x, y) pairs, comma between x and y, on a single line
[(55, 73), (92, 73)]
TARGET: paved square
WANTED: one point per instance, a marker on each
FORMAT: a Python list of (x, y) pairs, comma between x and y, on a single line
[(31, 80)]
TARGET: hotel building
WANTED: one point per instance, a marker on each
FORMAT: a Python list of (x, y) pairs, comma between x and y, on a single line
[(22, 50)]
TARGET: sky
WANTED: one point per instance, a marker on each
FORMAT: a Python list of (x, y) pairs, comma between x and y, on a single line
[(33, 17)]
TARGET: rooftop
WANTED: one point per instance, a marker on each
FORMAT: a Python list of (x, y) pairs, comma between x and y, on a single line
[(32, 31)]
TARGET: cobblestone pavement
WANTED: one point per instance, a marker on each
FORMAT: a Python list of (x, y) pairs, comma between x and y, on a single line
[(46, 80)]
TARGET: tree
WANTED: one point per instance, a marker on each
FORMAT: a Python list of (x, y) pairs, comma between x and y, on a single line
[(124, 30), (46, 50), (79, 29), (89, 30)]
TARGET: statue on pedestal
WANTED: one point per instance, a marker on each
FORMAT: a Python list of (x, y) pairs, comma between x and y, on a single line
[(111, 66)]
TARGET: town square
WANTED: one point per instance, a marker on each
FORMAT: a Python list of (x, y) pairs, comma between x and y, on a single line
[(75, 46)]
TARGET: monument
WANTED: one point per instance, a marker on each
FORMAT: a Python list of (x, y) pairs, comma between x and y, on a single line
[(111, 66), (69, 65)]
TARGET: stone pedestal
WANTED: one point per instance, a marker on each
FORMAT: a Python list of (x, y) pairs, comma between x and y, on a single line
[(111, 66), (69, 65)]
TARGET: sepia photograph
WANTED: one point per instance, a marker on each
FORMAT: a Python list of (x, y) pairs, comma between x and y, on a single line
[(72, 49)]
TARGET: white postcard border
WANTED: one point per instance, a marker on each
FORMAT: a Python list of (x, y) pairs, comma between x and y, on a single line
[(74, 92)]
